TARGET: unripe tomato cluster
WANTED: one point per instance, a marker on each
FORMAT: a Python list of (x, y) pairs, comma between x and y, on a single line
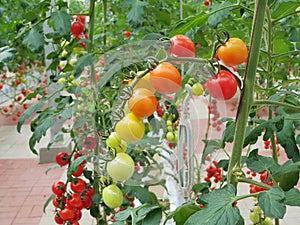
[(258, 218), (69, 202)]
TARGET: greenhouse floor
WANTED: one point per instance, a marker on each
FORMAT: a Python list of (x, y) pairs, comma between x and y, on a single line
[(25, 186)]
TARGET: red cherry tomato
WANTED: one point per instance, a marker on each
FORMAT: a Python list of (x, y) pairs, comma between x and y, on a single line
[(67, 213), (74, 201), (58, 188), (77, 28), (223, 86), (62, 158), (78, 185), (127, 33), (233, 52), (182, 46), (58, 220)]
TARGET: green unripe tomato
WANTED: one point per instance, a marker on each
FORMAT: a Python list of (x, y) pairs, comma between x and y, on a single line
[(254, 217), (257, 209), (112, 196), (170, 136), (121, 167), (298, 9), (113, 140), (61, 81), (267, 221), (169, 128), (197, 89)]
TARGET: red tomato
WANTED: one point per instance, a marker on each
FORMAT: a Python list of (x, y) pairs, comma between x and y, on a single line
[(77, 28), (233, 52), (182, 46), (67, 213), (81, 18), (165, 78), (58, 220), (58, 188), (74, 201), (127, 33), (78, 185), (56, 200), (62, 158), (142, 102), (86, 201), (79, 171), (223, 86)]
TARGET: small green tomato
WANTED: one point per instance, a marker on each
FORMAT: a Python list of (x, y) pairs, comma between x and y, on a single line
[(197, 89)]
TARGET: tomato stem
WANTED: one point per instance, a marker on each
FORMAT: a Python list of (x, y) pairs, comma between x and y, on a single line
[(246, 100)]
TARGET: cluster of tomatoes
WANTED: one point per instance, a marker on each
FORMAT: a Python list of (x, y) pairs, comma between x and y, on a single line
[(262, 177), (213, 173), (74, 195), (267, 145), (258, 218), (223, 86), (15, 86), (77, 28)]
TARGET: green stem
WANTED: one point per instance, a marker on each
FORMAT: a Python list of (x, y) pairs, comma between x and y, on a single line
[(270, 102), (269, 74), (104, 20), (249, 181), (247, 92)]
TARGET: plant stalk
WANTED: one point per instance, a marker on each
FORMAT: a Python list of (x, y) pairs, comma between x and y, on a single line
[(247, 92)]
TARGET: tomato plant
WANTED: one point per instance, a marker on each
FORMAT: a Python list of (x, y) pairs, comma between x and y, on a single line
[(77, 28), (223, 86)]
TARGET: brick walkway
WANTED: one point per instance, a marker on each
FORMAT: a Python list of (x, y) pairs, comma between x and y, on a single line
[(24, 189)]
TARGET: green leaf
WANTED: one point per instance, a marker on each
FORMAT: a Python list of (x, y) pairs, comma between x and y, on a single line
[(286, 138), (292, 197), (228, 134), (143, 211), (60, 21), (272, 202), (258, 163), (218, 17), (68, 112), (219, 209), (47, 202), (183, 212), (28, 113), (287, 175), (123, 215), (280, 46), (6, 54), (294, 35), (153, 217), (142, 194), (74, 165), (284, 8), (189, 23), (82, 62), (57, 137), (210, 147), (136, 14), (34, 40), (269, 126)]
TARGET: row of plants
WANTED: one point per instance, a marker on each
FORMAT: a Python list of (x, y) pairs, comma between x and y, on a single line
[(120, 72)]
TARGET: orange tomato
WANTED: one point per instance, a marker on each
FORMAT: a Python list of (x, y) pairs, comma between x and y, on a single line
[(165, 78), (142, 102), (130, 128), (233, 52)]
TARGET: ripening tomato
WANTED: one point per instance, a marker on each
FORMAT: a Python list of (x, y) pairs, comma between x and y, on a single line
[(112, 196), (121, 167), (223, 86), (77, 28), (165, 78), (142, 102), (233, 52), (130, 128), (182, 46)]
